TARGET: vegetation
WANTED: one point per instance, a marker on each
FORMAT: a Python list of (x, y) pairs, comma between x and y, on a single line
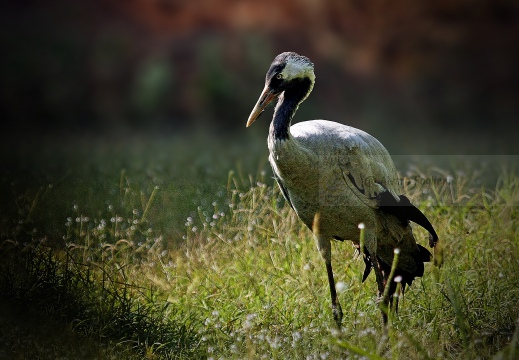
[(240, 276)]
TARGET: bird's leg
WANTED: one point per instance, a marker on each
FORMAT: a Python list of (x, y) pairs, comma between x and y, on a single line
[(381, 277), (336, 307), (325, 249), (383, 301)]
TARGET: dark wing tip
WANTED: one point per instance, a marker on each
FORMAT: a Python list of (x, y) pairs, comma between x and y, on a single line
[(433, 239), (405, 211)]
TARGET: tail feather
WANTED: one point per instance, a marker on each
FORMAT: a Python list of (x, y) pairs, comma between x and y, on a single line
[(369, 266), (420, 257), (393, 232)]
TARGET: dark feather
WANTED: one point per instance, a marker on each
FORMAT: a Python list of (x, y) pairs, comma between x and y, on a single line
[(404, 211)]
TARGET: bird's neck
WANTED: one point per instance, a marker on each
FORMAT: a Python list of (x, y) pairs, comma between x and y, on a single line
[(286, 107), (283, 114)]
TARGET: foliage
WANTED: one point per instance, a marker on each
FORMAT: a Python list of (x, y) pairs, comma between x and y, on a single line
[(247, 282), (87, 284)]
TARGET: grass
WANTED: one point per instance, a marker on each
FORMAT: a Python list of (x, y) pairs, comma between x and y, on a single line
[(120, 255)]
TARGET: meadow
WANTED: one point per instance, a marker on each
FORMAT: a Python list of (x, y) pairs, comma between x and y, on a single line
[(142, 249)]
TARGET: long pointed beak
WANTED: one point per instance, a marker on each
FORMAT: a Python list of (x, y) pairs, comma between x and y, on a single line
[(267, 95)]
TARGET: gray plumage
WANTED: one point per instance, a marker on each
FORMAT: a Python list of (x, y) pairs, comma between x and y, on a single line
[(335, 177)]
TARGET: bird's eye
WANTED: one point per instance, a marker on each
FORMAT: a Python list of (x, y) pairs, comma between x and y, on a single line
[(279, 76)]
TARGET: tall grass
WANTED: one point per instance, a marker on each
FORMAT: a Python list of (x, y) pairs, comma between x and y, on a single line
[(247, 282)]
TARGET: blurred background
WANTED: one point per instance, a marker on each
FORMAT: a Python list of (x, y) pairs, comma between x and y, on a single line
[(424, 77), (135, 110)]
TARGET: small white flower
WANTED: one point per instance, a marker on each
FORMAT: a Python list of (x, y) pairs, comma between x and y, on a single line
[(296, 336), (341, 287)]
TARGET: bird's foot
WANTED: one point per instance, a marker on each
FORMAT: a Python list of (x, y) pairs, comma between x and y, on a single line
[(337, 314), (384, 318)]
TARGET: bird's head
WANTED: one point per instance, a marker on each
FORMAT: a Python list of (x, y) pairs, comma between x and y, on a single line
[(288, 72)]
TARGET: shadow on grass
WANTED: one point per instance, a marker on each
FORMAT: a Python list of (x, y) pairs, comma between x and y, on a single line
[(37, 279)]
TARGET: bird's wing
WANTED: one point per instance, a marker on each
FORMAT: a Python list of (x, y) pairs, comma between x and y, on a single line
[(366, 167), (370, 180), (369, 176)]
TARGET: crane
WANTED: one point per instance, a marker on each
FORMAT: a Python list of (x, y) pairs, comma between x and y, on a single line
[(336, 177)]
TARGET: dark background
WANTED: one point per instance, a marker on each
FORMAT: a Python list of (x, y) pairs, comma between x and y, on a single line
[(438, 77)]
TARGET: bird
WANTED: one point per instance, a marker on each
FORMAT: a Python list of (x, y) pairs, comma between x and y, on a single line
[(336, 177)]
